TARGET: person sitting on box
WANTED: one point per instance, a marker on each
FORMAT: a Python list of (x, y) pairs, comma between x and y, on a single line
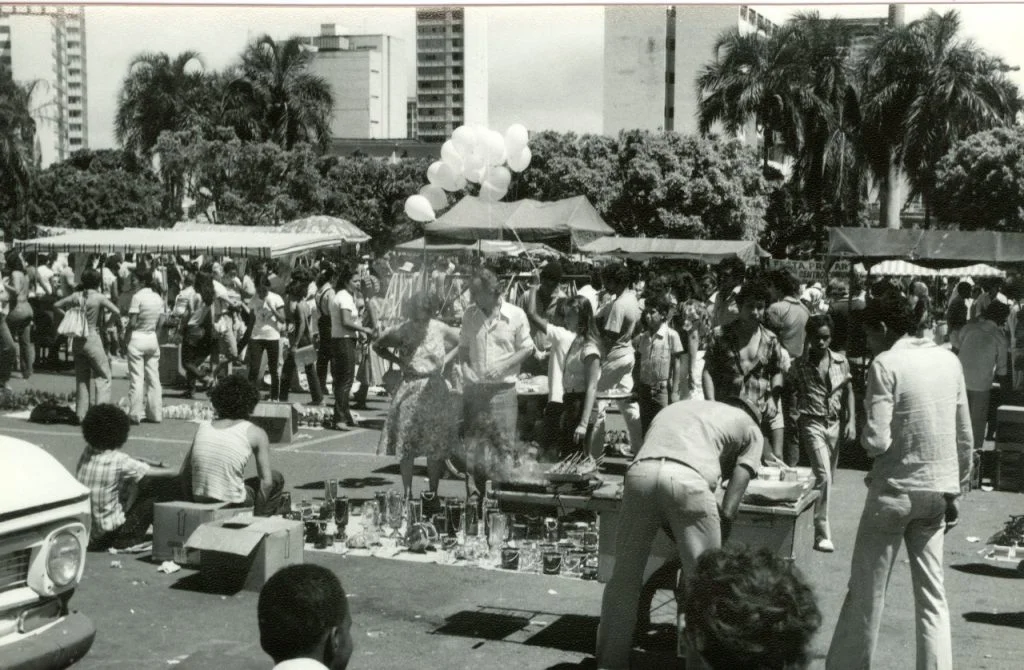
[(222, 448), (304, 619), (121, 488), (750, 609)]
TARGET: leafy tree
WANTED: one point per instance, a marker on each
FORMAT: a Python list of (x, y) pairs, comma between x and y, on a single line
[(160, 94), (242, 183), (276, 99), (681, 186), (925, 88), (96, 190), (371, 194), (19, 159), (566, 165), (980, 182)]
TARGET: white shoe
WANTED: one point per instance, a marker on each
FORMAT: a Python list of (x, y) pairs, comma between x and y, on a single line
[(825, 545)]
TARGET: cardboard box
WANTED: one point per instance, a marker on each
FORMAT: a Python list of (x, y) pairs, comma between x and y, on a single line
[(279, 419), (1009, 425), (236, 554), (174, 522)]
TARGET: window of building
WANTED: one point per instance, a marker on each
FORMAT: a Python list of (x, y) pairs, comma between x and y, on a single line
[(76, 127), (74, 72), (457, 98), (670, 44), (5, 29), (456, 70), (457, 43), (74, 99), (76, 141), (75, 113), (457, 30), (457, 56), (5, 44), (73, 44), (372, 71), (457, 111)]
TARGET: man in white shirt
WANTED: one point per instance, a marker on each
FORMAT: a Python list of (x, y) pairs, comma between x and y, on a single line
[(494, 343), (983, 354), (918, 430), (304, 619)]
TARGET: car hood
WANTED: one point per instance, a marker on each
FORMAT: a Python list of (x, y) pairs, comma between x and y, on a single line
[(30, 477)]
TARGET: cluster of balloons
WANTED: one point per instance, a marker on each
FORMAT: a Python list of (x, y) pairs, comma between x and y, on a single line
[(473, 154)]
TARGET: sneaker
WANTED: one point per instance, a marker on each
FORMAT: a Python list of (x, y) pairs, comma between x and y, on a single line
[(824, 544)]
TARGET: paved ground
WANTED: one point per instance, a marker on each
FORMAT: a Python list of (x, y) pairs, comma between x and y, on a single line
[(413, 615)]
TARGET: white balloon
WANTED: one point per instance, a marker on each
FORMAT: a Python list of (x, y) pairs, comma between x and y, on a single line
[(499, 177), (450, 154), (418, 208), (491, 193), (494, 147), (460, 182), (435, 195), (520, 161), (463, 140), (516, 138), (474, 168), (434, 173)]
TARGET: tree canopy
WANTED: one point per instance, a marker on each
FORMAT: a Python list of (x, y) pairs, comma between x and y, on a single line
[(980, 182)]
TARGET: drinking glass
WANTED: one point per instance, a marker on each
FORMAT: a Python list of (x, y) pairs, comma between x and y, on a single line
[(395, 510), (497, 530)]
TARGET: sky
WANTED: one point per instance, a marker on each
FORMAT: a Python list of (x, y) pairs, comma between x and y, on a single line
[(545, 63)]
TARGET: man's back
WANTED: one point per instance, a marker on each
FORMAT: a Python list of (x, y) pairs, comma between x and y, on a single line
[(918, 425), (787, 318), (983, 349)]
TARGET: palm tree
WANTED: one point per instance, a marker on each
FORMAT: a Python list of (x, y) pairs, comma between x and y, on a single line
[(275, 98), (923, 89), (19, 159), (160, 94)]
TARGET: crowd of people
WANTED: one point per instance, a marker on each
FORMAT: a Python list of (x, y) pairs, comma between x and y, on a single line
[(716, 372)]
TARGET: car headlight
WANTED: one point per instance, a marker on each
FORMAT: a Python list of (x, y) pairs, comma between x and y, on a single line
[(63, 559)]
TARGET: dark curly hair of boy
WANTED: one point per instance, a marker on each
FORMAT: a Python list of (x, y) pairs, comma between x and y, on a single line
[(105, 427), (750, 609), (234, 397)]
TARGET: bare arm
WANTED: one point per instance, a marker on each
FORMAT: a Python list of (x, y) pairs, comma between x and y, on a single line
[(66, 301), (709, 385), (592, 373), (261, 448), (538, 322), (349, 321), (738, 482), (383, 345), (850, 429)]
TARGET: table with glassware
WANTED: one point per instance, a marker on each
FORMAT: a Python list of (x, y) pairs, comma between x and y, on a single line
[(786, 528)]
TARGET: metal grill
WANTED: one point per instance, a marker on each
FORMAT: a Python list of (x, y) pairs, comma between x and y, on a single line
[(14, 570)]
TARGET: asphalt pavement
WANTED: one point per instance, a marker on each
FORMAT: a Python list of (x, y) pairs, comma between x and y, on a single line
[(434, 616)]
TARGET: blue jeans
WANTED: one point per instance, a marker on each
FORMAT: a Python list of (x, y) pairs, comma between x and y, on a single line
[(657, 493), (890, 518)]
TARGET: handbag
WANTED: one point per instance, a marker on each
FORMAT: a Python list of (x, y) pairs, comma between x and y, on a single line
[(74, 323)]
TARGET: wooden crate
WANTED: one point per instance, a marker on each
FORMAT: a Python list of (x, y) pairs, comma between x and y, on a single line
[(1009, 470), (1010, 425)]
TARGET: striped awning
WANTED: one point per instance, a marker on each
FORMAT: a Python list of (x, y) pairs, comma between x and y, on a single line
[(908, 269), (192, 243)]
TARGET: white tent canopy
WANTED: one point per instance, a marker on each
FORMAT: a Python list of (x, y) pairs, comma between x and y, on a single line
[(213, 243), (906, 269)]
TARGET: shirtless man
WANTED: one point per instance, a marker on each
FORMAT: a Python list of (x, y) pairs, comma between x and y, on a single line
[(744, 360)]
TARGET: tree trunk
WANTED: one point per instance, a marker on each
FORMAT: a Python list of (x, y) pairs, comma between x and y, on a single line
[(890, 198)]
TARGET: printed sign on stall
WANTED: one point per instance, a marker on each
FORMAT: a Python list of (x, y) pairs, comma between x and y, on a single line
[(810, 271)]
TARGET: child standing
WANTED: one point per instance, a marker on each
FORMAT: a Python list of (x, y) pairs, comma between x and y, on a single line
[(823, 398), (121, 511), (659, 350)]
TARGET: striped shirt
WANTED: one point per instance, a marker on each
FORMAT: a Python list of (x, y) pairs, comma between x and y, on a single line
[(819, 396), (106, 473), (219, 457)]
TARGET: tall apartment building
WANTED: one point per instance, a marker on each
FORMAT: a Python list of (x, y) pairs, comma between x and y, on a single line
[(410, 119), (652, 56), (368, 79), (46, 44), (451, 70)]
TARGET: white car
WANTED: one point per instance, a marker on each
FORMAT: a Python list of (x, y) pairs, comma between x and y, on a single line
[(44, 532)]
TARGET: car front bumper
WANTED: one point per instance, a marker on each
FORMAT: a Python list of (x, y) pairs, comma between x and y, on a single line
[(58, 646)]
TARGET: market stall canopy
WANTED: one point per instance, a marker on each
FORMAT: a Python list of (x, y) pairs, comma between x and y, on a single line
[(484, 247), (907, 269), (706, 251), (475, 219), (342, 230), (945, 246), (215, 243)]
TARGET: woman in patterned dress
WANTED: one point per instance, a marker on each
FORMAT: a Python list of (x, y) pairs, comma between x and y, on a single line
[(422, 419)]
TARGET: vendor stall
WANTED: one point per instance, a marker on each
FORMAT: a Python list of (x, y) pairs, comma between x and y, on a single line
[(474, 219), (704, 251), (786, 528), (487, 248), (342, 230)]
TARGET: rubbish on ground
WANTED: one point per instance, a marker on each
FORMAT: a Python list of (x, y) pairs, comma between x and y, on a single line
[(971, 538), (115, 564), (168, 567)]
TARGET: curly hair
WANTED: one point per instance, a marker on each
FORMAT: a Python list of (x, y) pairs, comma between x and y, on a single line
[(817, 321), (751, 609), (234, 397), (753, 291), (105, 427)]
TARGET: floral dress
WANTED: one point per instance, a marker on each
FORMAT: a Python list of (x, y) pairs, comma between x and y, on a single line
[(422, 419)]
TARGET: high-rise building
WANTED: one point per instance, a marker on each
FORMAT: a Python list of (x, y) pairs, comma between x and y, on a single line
[(451, 70), (368, 79), (45, 44), (652, 57), (410, 118)]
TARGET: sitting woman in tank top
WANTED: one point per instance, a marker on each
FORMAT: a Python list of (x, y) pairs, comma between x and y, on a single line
[(222, 448)]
